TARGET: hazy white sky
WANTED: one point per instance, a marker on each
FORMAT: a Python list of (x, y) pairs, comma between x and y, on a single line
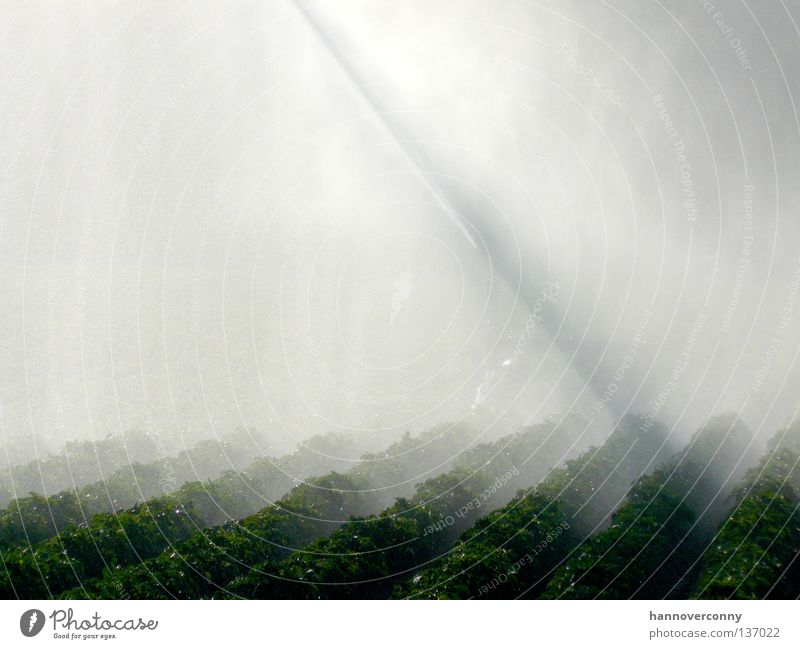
[(379, 216)]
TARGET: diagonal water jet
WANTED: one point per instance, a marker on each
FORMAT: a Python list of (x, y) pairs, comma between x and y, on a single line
[(577, 358), (397, 137)]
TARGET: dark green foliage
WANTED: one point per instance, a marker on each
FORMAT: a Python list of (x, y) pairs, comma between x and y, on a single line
[(232, 495), (35, 518), (363, 558), (707, 470), (657, 530), (367, 557), (501, 557), (752, 556), (210, 558), (619, 562), (591, 486), (755, 552), (78, 463), (320, 541), (508, 552), (82, 553), (203, 565)]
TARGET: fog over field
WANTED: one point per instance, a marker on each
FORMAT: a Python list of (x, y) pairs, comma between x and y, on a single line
[(378, 217)]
